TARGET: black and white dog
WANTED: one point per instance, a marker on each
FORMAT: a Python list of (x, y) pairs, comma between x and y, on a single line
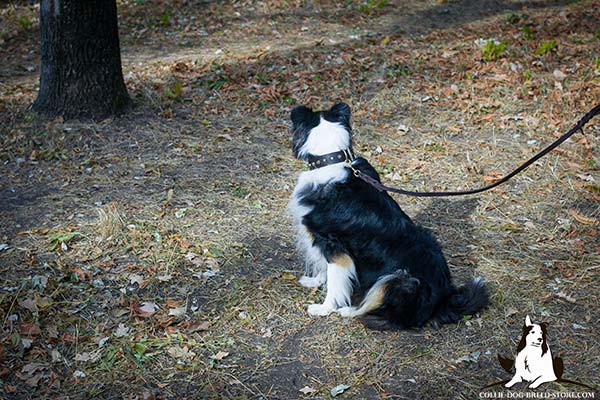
[(534, 362), (377, 264)]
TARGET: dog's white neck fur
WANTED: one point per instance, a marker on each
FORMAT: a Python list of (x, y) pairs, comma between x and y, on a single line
[(325, 138)]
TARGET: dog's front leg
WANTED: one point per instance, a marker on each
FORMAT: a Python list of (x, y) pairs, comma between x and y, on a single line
[(341, 273), (516, 379), (313, 281), (541, 379)]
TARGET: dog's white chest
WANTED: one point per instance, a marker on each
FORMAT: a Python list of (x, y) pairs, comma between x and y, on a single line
[(531, 364), (315, 263)]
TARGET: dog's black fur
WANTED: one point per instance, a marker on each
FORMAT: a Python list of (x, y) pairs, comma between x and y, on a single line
[(353, 218)]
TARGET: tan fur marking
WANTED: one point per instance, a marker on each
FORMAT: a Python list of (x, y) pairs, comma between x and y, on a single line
[(310, 235), (373, 300), (343, 260)]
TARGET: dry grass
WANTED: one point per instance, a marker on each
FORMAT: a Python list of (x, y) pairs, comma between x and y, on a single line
[(110, 224), (192, 191)]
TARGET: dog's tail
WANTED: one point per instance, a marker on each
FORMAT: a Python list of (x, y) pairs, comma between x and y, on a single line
[(395, 301), (465, 300), (400, 301)]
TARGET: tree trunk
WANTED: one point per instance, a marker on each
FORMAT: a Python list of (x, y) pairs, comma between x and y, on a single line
[(81, 74)]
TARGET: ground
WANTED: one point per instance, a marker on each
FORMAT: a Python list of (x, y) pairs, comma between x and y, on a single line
[(150, 255)]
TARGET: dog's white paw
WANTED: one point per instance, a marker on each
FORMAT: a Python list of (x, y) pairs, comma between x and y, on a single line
[(535, 384), (319, 310), (310, 281), (346, 311)]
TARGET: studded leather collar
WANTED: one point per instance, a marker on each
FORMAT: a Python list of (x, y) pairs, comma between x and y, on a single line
[(324, 160)]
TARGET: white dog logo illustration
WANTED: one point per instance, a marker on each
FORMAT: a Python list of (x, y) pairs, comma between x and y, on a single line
[(534, 362)]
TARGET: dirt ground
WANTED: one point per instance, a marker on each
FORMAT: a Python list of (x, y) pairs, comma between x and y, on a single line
[(150, 256)]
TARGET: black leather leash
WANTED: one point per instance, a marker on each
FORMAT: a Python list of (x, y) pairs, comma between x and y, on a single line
[(381, 187)]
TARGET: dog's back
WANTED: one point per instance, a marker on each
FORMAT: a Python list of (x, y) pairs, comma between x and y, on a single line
[(402, 273)]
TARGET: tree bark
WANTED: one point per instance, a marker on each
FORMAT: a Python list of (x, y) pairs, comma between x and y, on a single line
[(81, 74)]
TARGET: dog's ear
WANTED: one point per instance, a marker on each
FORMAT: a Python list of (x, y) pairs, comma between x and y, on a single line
[(343, 112), (299, 114), (528, 321)]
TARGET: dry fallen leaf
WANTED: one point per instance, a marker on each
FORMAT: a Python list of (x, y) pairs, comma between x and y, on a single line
[(29, 304), (30, 329), (564, 296), (339, 389), (510, 311), (121, 330), (10, 389), (308, 390), (220, 355), (147, 309), (177, 311), (288, 276), (56, 356), (32, 368), (180, 352), (199, 326), (88, 356), (492, 177), (79, 374), (582, 218), (135, 278)]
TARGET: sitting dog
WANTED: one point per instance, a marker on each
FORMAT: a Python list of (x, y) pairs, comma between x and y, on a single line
[(377, 264), (534, 362)]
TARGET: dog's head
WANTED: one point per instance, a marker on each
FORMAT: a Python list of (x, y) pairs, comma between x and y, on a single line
[(320, 132), (534, 335)]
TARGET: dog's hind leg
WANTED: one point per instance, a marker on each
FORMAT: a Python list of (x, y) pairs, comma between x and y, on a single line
[(341, 274)]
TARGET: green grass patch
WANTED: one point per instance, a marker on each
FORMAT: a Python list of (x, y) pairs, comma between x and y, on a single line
[(513, 18), (371, 5), (165, 18), (546, 47), (218, 83), (435, 147), (174, 91), (263, 78), (239, 191), (25, 22), (528, 33), (398, 70), (60, 239), (493, 51)]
